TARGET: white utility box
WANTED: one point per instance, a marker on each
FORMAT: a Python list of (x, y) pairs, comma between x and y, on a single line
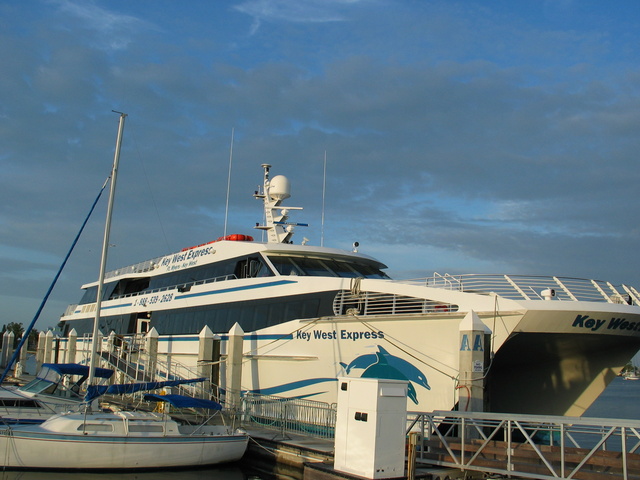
[(370, 427)]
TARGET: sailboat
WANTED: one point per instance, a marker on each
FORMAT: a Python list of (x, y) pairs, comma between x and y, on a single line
[(55, 389), (119, 440)]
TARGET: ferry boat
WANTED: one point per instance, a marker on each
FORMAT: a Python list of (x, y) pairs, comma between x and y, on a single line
[(311, 314)]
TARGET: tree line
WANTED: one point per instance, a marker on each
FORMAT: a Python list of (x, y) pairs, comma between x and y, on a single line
[(18, 331)]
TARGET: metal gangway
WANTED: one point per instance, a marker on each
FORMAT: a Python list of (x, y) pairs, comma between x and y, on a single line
[(127, 356), (528, 446)]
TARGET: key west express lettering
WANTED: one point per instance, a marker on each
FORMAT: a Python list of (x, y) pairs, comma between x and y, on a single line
[(594, 324), (338, 334)]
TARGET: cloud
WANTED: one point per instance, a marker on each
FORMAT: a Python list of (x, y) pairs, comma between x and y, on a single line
[(110, 31), (456, 134), (295, 11)]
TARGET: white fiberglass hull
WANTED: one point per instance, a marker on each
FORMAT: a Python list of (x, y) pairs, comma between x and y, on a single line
[(32, 448)]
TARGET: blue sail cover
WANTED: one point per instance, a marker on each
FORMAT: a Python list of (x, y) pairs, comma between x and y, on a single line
[(182, 401), (77, 369), (95, 391)]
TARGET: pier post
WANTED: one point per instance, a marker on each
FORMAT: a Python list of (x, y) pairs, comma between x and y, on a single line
[(10, 342), (7, 347), (22, 360), (111, 343), (472, 355), (234, 367), (72, 348), (40, 351), (48, 346), (208, 354), (152, 352)]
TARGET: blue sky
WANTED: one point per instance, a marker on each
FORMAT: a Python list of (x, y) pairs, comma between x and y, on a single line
[(461, 136)]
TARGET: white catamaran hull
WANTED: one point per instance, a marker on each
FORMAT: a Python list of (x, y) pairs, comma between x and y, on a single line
[(535, 369)]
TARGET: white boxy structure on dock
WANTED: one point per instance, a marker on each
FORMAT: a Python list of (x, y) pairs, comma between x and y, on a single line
[(370, 427)]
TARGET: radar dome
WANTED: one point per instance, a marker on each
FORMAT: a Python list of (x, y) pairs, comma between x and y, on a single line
[(279, 187)]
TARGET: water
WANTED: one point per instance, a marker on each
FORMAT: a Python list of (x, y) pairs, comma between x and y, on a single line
[(619, 400), (226, 472)]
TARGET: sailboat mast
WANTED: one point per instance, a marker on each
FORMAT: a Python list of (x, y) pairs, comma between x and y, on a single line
[(105, 248)]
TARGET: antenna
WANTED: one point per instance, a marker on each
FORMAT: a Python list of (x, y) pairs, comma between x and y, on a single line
[(324, 188), (226, 210)]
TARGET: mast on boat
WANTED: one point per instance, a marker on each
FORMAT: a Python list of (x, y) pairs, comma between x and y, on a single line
[(274, 192), (105, 248)]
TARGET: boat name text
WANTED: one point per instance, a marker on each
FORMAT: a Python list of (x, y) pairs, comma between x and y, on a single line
[(335, 335), (189, 255), (593, 324)]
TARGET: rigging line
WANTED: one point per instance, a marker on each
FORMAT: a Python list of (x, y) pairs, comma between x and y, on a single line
[(324, 189), (406, 351), (255, 352), (25, 335), (153, 199)]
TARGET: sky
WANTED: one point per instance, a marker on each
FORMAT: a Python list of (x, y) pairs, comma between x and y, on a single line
[(471, 136)]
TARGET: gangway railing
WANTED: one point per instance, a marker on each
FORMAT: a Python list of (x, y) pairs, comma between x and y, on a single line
[(132, 363), (529, 446), (289, 415)]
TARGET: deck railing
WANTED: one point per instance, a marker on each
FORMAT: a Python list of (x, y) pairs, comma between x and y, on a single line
[(527, 287), (529, 446), (290, 415)]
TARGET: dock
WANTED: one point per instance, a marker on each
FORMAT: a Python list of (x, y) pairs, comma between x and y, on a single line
[(471, 445), (298, 439)]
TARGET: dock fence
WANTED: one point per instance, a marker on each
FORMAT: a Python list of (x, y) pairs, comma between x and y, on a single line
[(290, 415), (529, 446)]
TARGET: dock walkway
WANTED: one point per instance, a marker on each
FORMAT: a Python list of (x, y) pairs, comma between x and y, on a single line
[(474, 445)]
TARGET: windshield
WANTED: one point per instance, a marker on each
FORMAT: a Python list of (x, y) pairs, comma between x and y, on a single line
[(324, 267)]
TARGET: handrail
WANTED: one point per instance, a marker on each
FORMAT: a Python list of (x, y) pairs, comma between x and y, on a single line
[(132, 363), (528, 446), (290, 415), (517, 287)]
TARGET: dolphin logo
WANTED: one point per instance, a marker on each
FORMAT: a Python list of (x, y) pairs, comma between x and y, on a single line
[(382, 369), (363, 361), (384, 365), (411, 372)]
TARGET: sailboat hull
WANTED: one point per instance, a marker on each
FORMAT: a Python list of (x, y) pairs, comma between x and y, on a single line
[(116, 441), (51, 451)]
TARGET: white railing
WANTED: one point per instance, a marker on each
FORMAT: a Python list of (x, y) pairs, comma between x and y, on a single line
[(290, 415), (375, 303), (529, 446), (527, 287), (182, 288), (146, 266), (132, 363)]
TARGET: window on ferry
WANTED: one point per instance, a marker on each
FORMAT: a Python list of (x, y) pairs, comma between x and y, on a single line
[(314, 267), (324, 267), (128, 286), (251, 267), (368, 271), (91, 294), (285, 266)]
